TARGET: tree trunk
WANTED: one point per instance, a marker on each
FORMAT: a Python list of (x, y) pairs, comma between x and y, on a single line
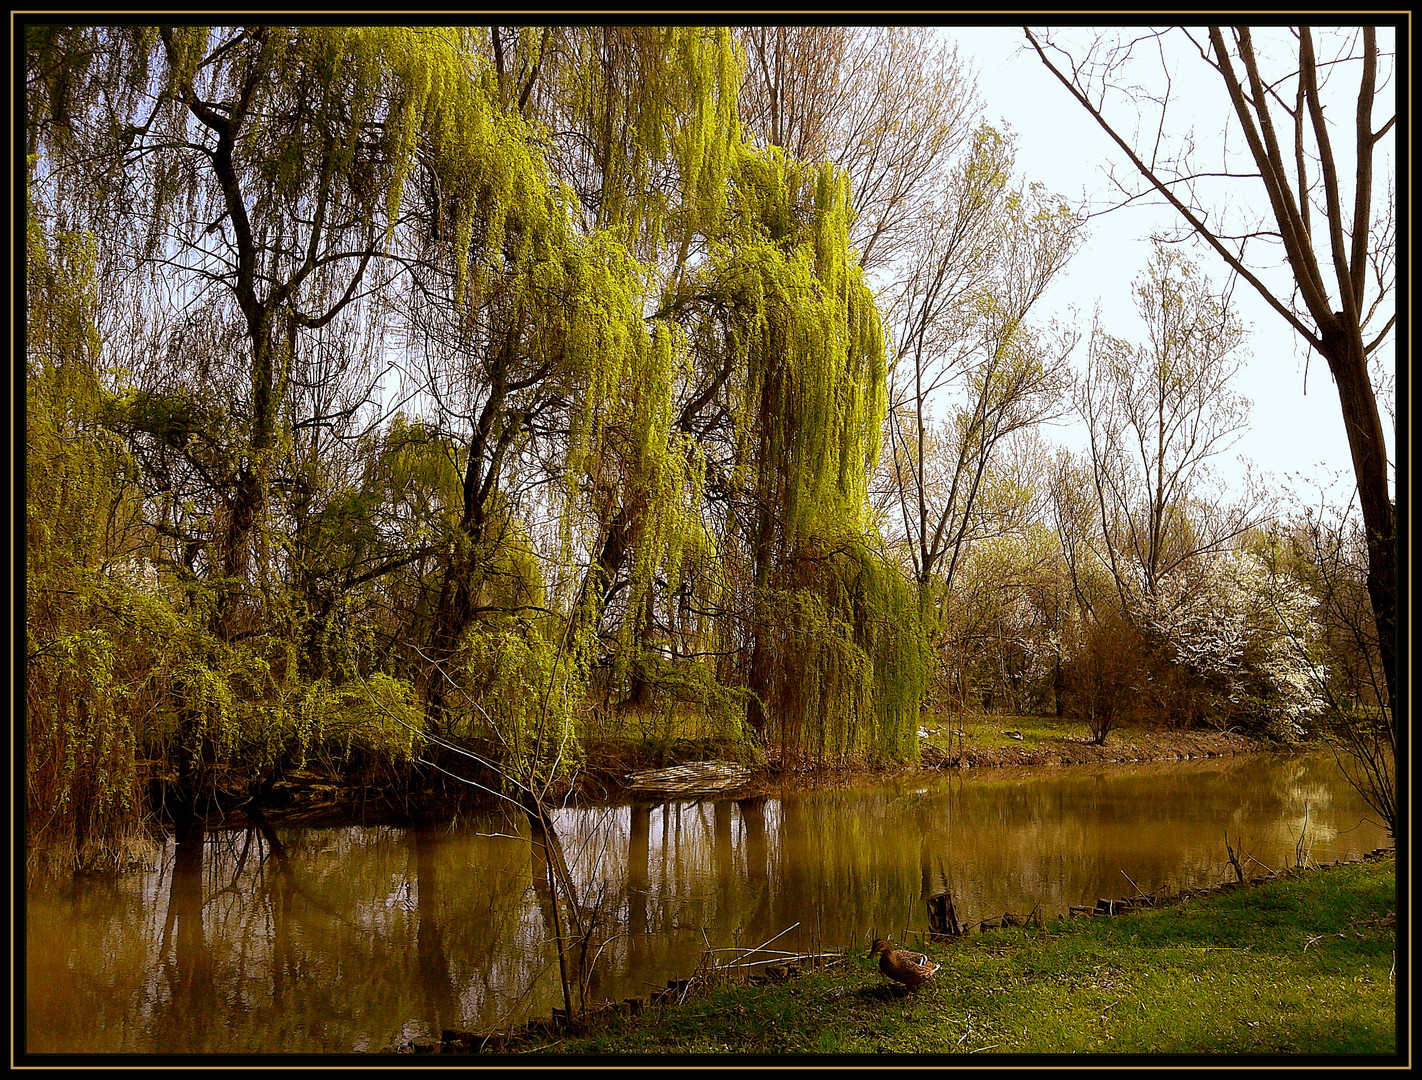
[(759, 676), (1344, 351)]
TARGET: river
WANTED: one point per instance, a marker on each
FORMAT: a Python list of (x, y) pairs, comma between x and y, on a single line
[(361, 938)]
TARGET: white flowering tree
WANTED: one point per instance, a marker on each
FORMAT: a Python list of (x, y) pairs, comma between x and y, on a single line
[(1239, 644)]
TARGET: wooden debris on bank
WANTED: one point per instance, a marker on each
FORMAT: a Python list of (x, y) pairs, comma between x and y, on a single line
[(942, 918), (693, 778)]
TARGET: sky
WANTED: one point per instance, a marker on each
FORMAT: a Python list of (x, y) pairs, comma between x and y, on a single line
[(1295, 437)]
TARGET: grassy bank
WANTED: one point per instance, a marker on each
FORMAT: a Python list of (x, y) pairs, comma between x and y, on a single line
[(978, 741), (1297, 965)]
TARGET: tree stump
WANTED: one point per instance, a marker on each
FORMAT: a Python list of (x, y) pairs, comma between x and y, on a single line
[(942, 919)]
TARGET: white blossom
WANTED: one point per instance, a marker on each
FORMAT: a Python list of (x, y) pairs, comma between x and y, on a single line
[(1245, 634)]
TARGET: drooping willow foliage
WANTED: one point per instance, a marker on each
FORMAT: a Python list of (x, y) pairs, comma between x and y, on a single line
[(643, 126), (81, 777), (842, 671), (433, 381), (806, 387)]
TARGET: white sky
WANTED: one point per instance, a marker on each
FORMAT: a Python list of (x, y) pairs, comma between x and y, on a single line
[(1298, 438)]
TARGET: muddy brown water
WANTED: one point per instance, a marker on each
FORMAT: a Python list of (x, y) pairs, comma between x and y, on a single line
[(372, 937)]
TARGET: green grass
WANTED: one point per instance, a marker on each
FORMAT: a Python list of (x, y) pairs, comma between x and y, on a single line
[(985, 732), (668, 736), (1300, 965)]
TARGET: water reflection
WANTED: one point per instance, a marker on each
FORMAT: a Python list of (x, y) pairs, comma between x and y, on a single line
[(269, 939), (184, 955), (441, 1003)]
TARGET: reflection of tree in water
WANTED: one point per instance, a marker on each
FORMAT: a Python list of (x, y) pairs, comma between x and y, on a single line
[(721, 843), (639, 846), (757, 850), (675, 877), (184, 952), (262, 949), (280, 897), (934, 821), (757, 863), (441, 1004)]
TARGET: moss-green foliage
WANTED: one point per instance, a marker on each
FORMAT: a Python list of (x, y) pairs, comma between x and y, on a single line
[(521, 693), (88, 603), (379, 716), (802, 323), (848, 673), (655, 109), (119, 657), (361, 547)]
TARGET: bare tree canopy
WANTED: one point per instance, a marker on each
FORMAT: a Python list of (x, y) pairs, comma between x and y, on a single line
[(1314, 190)]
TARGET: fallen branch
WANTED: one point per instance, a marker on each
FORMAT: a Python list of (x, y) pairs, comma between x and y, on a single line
[(781, 959), (762, 945), (1133, 884)]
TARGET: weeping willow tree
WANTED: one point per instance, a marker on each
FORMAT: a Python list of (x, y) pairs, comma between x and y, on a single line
[(81, 778), (266, 165), (644, 384), (641, 122), (643, 134), (827, 638), (627, 137), (248, 185), (121, 663)]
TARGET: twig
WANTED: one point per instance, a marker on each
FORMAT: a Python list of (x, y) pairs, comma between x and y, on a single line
[(1222, 948), (1299, 847), (782, 958), (1233, 857), (741, 951), (1252, 859), (763, 944)]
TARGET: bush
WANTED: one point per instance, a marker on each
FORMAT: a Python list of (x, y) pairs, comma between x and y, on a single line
[(1102, 681)]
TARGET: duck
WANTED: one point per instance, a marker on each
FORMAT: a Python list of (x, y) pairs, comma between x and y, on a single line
[(903, 965)]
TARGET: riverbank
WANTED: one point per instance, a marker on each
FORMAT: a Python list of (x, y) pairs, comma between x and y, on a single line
[(614, 769), (994, 741), (1301, 963)]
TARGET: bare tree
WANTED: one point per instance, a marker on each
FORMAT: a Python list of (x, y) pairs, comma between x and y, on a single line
[(890, 105), (1156, 415), (964, 349), (1321, 208), (1328, 553)]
